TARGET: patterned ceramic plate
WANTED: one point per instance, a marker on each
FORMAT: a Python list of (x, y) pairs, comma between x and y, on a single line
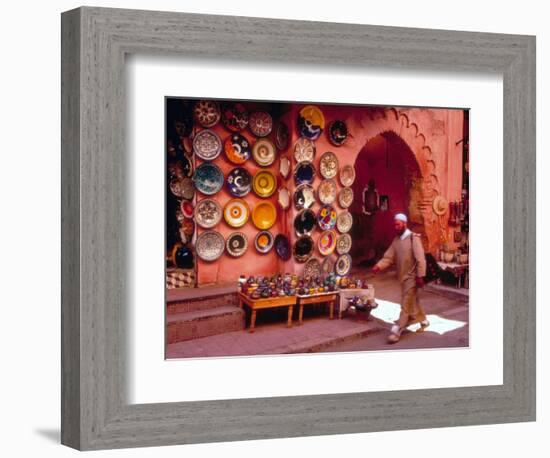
[(304, 173), (327, 191), (236, 244), (237, 149), (327, 265), (263, 241), (327, 242), (328, 165), (312, 268), (337, 132), (264, 183), (345, 198), (282, 136), (182, 188), (304, 150), (282, 247), (236, 212), (326, 217), (304, 223), (208, 178), (239, 182), (260, 123), (343, 264), (284, 166), (347, 175), (311, 122), (343, 244), (234, 116), (344, 222), (264, 152), (208, 213), (186, 207), (304, 196), (207, 145), (284, 198), (264, 215), (207, 113), (210, 245), (303, 248)]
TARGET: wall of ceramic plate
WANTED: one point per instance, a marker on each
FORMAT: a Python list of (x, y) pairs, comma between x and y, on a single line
[(259, 188)]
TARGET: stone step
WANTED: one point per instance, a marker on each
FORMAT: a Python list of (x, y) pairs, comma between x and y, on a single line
[(203, 298), (184, 326)]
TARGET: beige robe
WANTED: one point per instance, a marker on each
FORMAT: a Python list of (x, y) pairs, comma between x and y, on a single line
[(408, 257)]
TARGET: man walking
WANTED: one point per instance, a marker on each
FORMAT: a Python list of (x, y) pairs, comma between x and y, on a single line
[(407, 253)]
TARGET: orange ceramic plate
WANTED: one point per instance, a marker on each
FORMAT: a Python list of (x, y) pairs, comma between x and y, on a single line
[(264, 183), (264, 215), (236, 212), (327, 242)]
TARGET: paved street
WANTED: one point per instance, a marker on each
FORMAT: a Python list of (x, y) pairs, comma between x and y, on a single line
[(446, 307)]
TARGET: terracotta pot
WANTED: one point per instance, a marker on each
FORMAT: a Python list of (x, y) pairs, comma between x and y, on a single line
[(449, 256)]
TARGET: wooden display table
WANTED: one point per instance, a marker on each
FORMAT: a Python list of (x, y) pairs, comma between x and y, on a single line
[(318, 298), (267, 303)]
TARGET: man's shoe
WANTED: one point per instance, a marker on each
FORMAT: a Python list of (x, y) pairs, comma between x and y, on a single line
[(423, 325), (395, 334)]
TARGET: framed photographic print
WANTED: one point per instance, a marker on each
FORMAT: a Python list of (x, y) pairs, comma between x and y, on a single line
[(243, 206)]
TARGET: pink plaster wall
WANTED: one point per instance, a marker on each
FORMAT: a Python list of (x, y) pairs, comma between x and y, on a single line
[(431, 136)]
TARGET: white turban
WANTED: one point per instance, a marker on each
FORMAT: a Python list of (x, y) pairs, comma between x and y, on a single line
[(401, 217)]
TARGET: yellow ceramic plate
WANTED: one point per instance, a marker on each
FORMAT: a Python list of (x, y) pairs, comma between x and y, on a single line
[(236, 212), (264, 183), (264, 215)]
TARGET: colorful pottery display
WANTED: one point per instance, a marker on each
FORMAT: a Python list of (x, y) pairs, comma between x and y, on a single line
[(264, 215), (328, 165), (182, 188), (304, 222), (283, 198), (311, 122), (284, 166), (236, 212), (187, 227), (263, 242), (304, 150), (282, 136), (207, 113), (237, 149), (264, 152), (303, 248), (304, 196), (343, 264), (260, 123), (327, 191), (207, 145), (327, 266), (344, 221), (312, 268), (326, 218), (337, 132), (347, 175), (343, 244), (210, 245), (208, 178), (208, 213), (326, 243), (181, 168), (234, 116), (264, 183), (182, 256), (345, 197), (239, 182), (236, 244), (304, 173), (282, 247)]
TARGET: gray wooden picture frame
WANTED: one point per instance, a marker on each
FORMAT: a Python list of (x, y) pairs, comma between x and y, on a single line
[(95, 411)]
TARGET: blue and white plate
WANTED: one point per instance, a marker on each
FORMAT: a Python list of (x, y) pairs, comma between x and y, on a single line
[(208, 178), (239, 182)]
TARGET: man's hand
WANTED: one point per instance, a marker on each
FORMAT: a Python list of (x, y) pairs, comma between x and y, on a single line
[(420, 282), (375, 270)]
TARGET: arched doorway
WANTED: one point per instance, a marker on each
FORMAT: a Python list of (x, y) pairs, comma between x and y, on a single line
[(387, 174)]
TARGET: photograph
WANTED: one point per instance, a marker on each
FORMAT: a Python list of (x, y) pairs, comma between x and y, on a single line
[(299, 227)]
